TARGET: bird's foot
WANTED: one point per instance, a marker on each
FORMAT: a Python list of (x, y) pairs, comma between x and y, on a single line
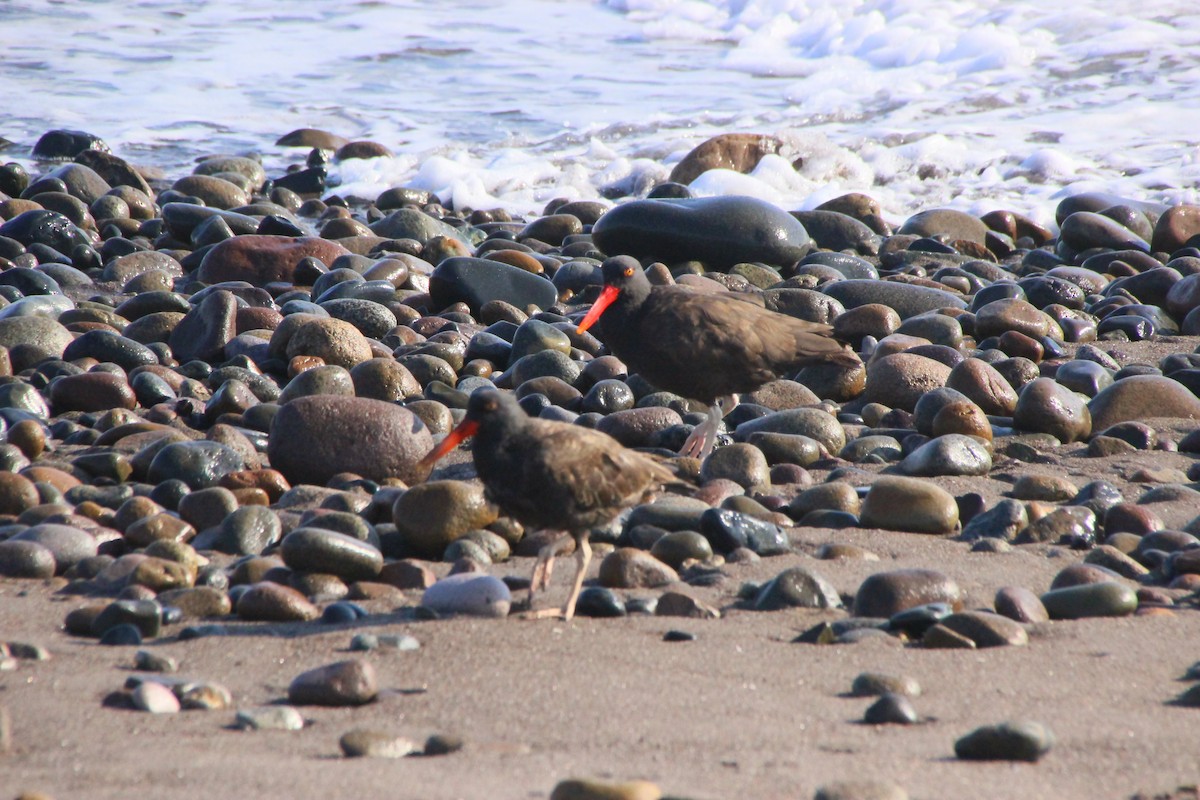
[(541, 613), (540, 579), (701, 441)]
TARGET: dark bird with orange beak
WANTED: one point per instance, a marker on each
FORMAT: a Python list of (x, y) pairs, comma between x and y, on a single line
[(552, 476), (707, 347)]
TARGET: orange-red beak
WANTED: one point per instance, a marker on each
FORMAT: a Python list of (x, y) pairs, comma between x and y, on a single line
[(605, 300), (465, 430)]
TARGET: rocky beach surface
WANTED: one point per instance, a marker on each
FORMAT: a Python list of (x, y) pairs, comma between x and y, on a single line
[(968, 567)]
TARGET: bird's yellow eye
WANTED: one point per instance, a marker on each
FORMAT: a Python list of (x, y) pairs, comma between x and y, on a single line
[(628, 272)]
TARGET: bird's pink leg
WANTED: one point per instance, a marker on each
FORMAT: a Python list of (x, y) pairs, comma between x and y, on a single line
[(542, 570), (583, 555), (704, 436)]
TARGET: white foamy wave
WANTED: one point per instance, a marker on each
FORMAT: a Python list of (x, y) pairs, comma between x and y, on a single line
[(511, 103)]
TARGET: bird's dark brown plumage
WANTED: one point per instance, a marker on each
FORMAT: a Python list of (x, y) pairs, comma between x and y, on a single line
[(704, 346), (552, 475)]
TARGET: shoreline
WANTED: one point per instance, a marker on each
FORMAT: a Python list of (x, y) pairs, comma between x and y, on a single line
[(189, 385)]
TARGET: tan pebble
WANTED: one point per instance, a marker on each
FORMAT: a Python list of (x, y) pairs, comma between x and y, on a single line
[(29, 437), (575, 789), (962, 417)]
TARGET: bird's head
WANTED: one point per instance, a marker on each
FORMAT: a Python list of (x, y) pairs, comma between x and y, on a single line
[(619, 273), (484, 404)]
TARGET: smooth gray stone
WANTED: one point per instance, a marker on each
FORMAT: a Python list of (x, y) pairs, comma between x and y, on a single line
[(908, 300), (720, 231)]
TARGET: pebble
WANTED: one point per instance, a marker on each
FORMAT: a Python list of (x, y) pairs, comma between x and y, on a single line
[(962, 418), (885, 594), (870, 684), (950, 454), (345, 683), (579, 789), (985, 629), (1139, 397), (750, 230), (121, 635), (271, 602), (628, 568), (813, 423), (363, 642), (320, 550), (1018, 740), (473, 594), (69, 545), (891, 708), (679, 604), (269, 718), (1002, 521), (744, 464), (860, 790), (637, 427), (149, 661), (908, 504), (1066, 525), (727, 530), (205, 697), (407, 574), (155, 698), (1047, 488), (906, 299), (1109, 557), (1107, 599), (248, 530), (676, 547), (366, 743), (314, 438), (601, 602), (476, 281), (796, 587), (1045, 406), (433, 514), (199, 464), (24, 559), (263, 259), (1020, 604), (144, 615), (899, 380)]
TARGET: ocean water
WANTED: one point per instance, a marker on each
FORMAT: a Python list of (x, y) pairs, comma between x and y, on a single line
[(971, 104)]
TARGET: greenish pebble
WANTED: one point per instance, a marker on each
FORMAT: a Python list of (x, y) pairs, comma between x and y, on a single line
[(1008, 741), (1108, 599)]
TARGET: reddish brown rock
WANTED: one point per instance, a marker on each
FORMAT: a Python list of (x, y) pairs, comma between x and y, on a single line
[(91, 391), (269, 481), (1139, 397), (984, 385), (215, 192), (273, 602), (899, 380), (361, 149), (257, 318), (739, 152), (1175, 228), (887, 593), (407, 573), (260, 259), (17, 493), (314, 438)]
